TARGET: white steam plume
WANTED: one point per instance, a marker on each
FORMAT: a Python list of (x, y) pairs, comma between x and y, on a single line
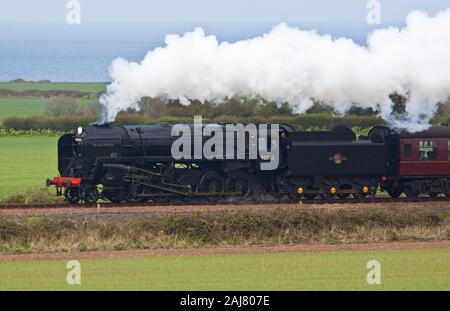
[(288, 64)]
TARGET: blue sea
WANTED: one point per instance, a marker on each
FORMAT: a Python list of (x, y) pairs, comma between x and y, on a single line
[(83, 53)]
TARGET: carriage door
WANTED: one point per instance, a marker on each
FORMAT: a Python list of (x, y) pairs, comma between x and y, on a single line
[(406, 157)]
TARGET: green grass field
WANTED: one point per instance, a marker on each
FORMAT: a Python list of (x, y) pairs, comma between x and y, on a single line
[(29, 106), (400, 270), (55, 86), (26, 162), (20, 107)]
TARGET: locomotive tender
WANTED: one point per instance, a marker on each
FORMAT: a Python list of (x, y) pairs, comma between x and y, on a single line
[(134, 163)]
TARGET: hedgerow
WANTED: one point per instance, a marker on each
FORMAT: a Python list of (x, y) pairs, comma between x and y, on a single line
[(300, 122), (66, 123), (26, 133)]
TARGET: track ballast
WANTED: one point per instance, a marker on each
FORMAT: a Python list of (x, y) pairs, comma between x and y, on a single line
[(233, 202)]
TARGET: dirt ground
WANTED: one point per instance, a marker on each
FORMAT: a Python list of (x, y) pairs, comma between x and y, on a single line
[(225, 251), (164, 210)]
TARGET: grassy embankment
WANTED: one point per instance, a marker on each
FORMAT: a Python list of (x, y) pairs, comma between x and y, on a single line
[(224, 229), (400, 270)]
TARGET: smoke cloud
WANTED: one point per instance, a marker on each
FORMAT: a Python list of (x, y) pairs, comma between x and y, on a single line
[(288, 64)]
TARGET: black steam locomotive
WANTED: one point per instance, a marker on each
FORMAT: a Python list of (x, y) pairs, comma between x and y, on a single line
[(135, 164)]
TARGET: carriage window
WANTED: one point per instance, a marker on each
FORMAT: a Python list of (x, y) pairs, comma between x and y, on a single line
[(428, 150), (407, 150)]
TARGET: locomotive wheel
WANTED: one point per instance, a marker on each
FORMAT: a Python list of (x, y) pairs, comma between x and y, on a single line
[(110, 196), (136, 200), (161, 199), (343, 195), (360, 195), (72, 195), (211, 182), (133, 196), (310, 196), (411, 193), (90, 195), (239, 184), (328, 196), (433, 194), (188, 180), (263, 187), (394, 193)]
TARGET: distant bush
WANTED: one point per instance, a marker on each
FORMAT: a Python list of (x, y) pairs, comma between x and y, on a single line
[(46, 132), (33, 196), (68, 106), (128, 118), (325, 121), (227, 119), (174, 120), (59, 106), (47, 93), (64, 113), (66, 123), (316, 121), (241, 106), (300, 122)]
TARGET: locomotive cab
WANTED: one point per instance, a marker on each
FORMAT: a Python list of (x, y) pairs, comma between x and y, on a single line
[(78, 154), (66, 155)]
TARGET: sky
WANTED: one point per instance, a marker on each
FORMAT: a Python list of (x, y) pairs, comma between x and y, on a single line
[(169, 11), (36, 42)]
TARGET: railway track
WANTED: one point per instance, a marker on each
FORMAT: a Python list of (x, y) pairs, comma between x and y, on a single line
[(224, 203)]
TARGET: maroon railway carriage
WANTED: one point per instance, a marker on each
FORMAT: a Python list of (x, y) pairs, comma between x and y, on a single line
[(424, 166)]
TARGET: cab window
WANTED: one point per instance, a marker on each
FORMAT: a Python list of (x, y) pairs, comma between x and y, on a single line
[(427, 150)]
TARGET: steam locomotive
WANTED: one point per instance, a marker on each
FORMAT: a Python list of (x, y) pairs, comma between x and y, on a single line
[(135, 163)]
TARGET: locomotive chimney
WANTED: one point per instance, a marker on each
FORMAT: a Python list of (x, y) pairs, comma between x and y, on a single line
[(100, 124)]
